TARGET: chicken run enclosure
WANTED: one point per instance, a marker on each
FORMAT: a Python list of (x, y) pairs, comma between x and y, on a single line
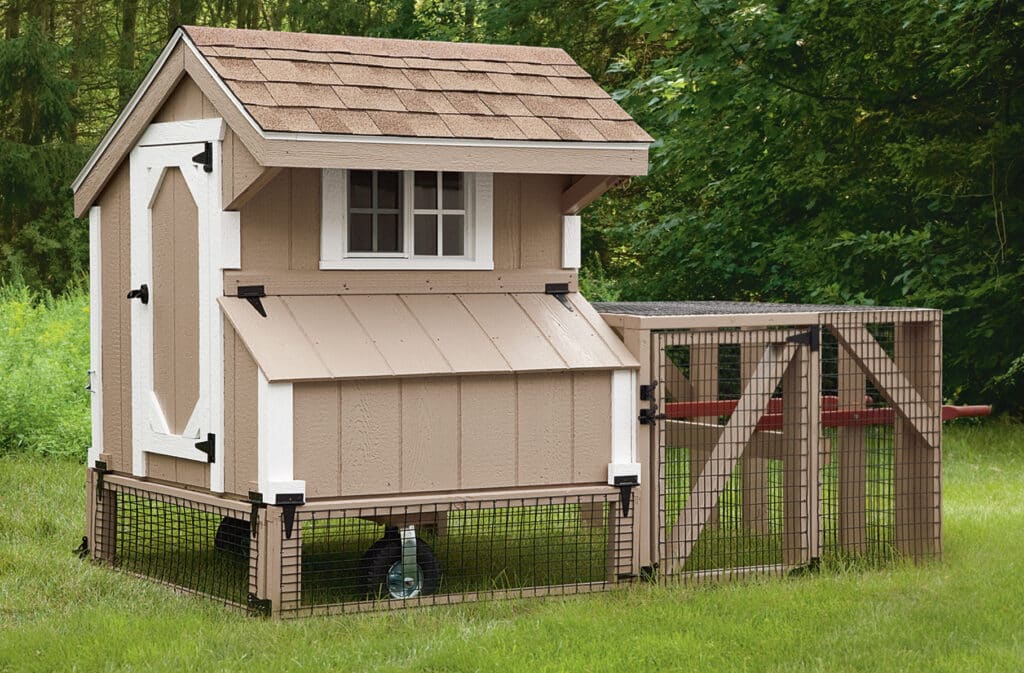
[(340, 360)]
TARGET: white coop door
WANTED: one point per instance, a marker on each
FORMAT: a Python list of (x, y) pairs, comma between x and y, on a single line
[(177, 357)]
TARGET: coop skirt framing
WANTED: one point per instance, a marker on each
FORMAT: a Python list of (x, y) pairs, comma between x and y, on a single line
[(353, 556)]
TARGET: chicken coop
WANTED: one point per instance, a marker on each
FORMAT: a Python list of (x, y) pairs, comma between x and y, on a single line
[(340, 360)]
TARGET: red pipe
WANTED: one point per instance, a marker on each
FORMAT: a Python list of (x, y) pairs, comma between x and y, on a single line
[(831, 416)]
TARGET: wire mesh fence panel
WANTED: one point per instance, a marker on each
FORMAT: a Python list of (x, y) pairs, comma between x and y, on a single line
[(880, 478), (733, 437), (394, 556), (192, 546)]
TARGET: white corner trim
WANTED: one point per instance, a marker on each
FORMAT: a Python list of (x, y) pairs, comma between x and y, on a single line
[(624, 415), (333, 214), (231, 239), (571, 241), (275, 439), (95, 334), (189, 131)]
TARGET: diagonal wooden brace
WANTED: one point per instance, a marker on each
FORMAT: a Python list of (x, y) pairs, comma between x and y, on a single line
[(889, 380), (735, 436)]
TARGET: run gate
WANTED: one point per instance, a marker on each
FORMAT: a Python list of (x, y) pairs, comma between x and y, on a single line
[(784, 435), (736, 463)]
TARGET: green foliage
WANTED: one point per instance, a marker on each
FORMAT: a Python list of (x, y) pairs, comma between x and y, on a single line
[(44, 356), (834, 152)]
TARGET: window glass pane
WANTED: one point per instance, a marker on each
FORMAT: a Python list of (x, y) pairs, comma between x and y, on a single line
[(389, 233), (388, 189), (426, 235), (360, 185), (360, 232), (453, 235), (426, 190), (453, 196)]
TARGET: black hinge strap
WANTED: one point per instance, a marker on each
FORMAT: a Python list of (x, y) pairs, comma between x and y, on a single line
[(626, 484), (253, 294), (209, 447), (101, 469), (648, 394), (810, 338), (259, 606), (205, 157)]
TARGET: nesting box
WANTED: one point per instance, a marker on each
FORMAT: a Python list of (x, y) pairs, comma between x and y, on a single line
[(340, 360)]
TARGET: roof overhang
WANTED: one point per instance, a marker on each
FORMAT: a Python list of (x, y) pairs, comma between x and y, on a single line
[(319, 150), (339, 337)]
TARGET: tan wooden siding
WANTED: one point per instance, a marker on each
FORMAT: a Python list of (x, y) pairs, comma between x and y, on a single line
[(281, 223), (115, 233), (175, 297), (451, 433), (240, 416), (186, 102)]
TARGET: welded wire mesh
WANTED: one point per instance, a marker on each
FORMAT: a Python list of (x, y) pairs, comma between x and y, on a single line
[(880, 477), (189, 545), (362, 558), (733, 491)]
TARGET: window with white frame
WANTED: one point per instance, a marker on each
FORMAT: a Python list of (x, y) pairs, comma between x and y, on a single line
[(406, 220)]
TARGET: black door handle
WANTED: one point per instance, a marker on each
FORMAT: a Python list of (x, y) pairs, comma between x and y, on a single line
[(141, 294)]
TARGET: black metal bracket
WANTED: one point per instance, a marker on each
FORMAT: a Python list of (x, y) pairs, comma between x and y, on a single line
[(649, 573), (288, 502), (101, 469), (259, 606), (253, 294), (141, 293), (810, 338), (650, 415), (256, 502), (559, 290), (83, 549), (209, 447), (626, 484), (205, 157)]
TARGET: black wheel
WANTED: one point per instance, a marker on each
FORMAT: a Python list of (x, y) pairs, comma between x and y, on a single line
[(384, 573), (232, 536)]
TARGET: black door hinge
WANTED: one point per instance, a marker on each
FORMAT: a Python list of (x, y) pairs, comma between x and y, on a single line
[(253, 294), (259, 606), (810, 338), (209, 447), (648, 394), (205, 157), (559, 290), (141, 293)]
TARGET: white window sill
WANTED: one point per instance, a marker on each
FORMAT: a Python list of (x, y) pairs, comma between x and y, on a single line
[(406, 264)]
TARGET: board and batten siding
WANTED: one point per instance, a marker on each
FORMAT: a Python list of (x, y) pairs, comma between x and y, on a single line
[(426, 434), (280, 225)]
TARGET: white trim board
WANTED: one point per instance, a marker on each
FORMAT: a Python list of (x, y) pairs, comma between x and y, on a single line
[(95, 334), (180, 36), (275, 439)]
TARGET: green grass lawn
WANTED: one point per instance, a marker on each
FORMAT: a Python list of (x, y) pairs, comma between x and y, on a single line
[(965, 613)]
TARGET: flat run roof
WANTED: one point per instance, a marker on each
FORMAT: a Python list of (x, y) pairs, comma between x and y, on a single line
[(695, 308)]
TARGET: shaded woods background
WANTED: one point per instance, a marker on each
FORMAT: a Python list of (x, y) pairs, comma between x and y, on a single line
[(827, 150)]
